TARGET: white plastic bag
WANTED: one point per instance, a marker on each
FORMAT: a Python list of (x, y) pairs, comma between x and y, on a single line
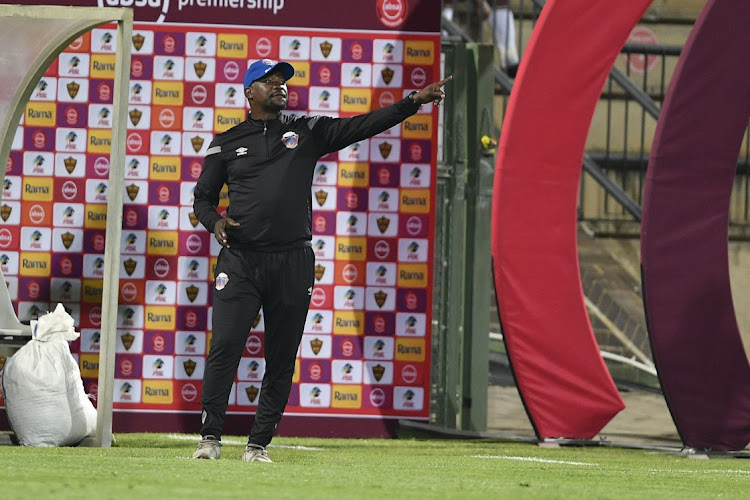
[(44, 396)]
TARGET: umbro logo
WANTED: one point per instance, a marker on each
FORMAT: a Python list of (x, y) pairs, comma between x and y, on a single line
[(309, 290), (241, 151)]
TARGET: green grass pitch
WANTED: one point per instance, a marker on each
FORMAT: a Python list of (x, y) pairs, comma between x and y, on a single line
[(156, 466)]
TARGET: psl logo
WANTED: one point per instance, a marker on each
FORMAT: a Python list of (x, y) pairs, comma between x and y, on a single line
[(325, 48), (70, 164), (127, 340), (189, 366), (316, 344), (200, 69)]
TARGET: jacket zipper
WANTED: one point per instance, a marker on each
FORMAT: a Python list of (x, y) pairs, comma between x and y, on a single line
[(268, 155)]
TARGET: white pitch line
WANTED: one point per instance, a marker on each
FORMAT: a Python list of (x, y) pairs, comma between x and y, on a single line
[(229, 441), (531, 459), (712, 471)]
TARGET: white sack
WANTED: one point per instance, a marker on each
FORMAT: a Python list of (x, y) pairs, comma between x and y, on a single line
[(44, 396)]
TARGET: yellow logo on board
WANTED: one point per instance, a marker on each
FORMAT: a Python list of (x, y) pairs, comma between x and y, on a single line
[(168, 93), (232, 46), (36, 263), (162, 243), (41, 114), (420, 52), (349, 322), (37, 189), (410, 349), (354, 174), (164, 168), (346, 396), (100, 140), (96, 217), (351, 248), (89, 364), (356, 100), (158, 391), (417, 127), (226, 118), (102, 66), (160, 317), (412, 275)]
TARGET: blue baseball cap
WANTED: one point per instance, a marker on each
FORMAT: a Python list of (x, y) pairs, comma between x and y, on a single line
[(260, 68)]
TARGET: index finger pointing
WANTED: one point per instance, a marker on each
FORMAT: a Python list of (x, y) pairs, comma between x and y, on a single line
[(446, 80)]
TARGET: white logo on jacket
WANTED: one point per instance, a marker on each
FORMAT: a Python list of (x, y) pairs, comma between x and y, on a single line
[(241, 151)]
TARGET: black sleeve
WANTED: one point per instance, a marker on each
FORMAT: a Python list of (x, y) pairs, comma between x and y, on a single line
[(337, 133), (210, 183)]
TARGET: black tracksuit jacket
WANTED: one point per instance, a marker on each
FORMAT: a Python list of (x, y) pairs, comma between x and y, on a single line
[(269, 183)]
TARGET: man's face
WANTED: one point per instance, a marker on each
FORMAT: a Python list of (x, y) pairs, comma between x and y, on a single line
[(268, 93)]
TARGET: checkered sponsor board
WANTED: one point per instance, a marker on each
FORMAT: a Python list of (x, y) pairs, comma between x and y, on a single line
[(366, 343)]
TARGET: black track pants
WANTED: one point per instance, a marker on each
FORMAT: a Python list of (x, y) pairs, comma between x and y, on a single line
[(281, 282)]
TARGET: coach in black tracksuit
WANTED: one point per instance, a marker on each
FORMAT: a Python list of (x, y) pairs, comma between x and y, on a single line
[(267, 163)]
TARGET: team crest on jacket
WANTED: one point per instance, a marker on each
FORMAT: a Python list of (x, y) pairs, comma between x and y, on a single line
[(290, 139)]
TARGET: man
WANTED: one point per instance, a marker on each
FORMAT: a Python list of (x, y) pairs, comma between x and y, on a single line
[(267, 163)]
